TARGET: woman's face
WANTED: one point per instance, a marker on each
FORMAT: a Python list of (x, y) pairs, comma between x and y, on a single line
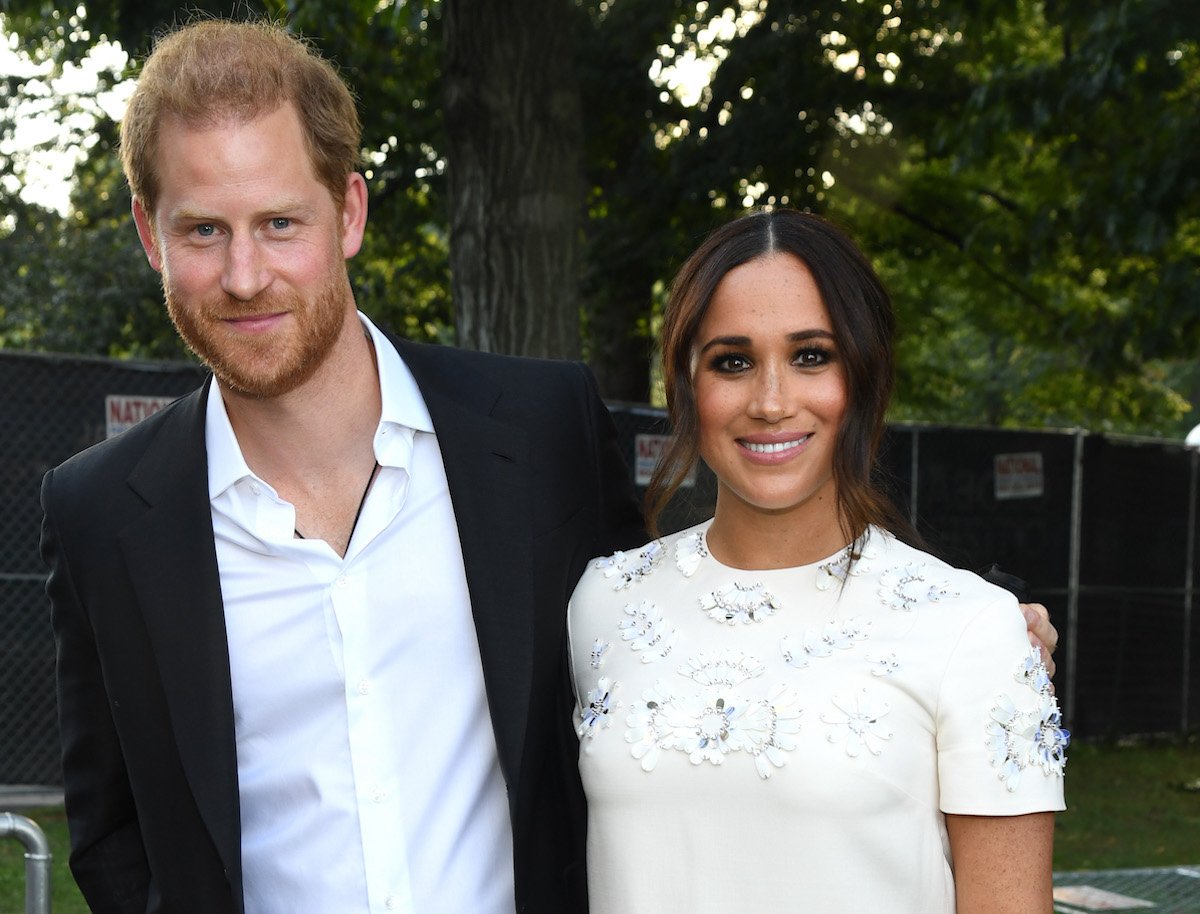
[(770, 391)]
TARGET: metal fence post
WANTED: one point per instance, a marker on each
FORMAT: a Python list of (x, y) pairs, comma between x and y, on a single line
[(37, 860), (915, 473), (1189, 583), (1076, 547)]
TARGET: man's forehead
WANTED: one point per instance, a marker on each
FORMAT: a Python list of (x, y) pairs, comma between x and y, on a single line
[(222, 117)]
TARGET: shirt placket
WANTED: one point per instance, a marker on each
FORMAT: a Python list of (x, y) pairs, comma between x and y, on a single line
[(377, 794)]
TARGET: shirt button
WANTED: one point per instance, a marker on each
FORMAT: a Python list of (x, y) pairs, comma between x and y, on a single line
[(391, 903), (342, 581), (364, 687), (255, 488), (379, 795)]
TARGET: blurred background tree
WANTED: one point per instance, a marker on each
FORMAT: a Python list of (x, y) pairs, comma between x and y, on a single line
[(1024, 175)]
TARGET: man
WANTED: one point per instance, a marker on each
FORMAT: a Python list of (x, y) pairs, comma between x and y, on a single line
[(310, 619)]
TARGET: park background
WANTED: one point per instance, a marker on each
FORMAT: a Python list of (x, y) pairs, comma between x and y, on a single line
[(1024, 175)]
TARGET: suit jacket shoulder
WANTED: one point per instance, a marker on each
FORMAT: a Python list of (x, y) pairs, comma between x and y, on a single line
[(105, 467)]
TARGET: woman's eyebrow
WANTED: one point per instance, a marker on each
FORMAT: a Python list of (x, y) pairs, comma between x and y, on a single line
[(798, 336)]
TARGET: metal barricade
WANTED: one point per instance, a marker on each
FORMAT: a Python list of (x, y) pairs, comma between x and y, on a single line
[(37, 860)]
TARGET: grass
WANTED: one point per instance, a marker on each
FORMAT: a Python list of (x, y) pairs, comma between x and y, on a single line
[(1130, 804), (64, 896)]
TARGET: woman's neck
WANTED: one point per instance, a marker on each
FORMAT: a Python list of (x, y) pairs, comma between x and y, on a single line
[(745, 537)]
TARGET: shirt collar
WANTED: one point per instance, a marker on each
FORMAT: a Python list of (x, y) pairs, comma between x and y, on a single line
[(403, 412), (403, 404), (226, 465)]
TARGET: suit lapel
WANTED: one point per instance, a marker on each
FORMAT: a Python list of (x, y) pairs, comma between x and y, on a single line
[(487, 468), (172, 561)]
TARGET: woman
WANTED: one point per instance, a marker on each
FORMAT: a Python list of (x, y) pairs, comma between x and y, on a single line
[(788, 708)]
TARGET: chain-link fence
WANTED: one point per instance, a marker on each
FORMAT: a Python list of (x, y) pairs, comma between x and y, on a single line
[(1102, 528), (51, 407)]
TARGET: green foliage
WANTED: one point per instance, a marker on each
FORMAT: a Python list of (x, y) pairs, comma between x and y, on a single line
[(1067, 186), (391, 54), (1024, 174), (80, 282), (1040, 252)]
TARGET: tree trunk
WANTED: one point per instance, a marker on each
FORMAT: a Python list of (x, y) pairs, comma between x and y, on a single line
[(514, 167), (619, 347)]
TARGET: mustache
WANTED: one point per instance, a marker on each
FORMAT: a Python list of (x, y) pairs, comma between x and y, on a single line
[(221, 305)]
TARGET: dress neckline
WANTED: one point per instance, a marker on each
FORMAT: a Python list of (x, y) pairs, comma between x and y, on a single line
[(706, 554)]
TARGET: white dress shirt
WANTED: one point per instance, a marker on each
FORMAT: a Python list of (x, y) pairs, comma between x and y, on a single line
[(367, 765)]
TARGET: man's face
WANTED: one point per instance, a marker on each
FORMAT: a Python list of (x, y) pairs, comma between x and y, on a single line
[(252, 249)]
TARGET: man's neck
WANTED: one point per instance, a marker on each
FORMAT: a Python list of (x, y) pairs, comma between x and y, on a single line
[(327, 422)]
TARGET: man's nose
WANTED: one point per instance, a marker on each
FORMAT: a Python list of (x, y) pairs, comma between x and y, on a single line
[(245, 273)]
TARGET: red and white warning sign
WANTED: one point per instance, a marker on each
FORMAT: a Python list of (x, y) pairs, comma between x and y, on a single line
[(123, 410), (1020, 475)]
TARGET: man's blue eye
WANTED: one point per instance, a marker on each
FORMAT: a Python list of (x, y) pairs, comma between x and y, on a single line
[(280, 223), (205, 229)]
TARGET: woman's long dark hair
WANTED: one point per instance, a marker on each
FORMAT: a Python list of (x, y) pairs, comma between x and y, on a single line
[(863, 325)]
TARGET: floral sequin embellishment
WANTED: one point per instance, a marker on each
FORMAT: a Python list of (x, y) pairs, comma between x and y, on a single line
[(735, 603), (834, 636), (835, 571), (596, 715), (906, 587), (883, 666), (647, 631), (690, 551), (600, 649), (840, 567), (1017, 738), (628, 569), (714, 724), (858, 723), (728, 668), (1033, 673)]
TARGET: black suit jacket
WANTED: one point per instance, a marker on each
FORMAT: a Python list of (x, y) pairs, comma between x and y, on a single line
[(149, 759)]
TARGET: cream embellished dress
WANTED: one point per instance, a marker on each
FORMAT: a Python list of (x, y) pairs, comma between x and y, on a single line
[(789, 740)]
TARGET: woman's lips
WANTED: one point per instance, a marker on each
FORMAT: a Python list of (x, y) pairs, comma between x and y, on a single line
[(773, 448)]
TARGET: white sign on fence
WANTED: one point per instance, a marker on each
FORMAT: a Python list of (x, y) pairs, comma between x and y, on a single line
[(647, 449), (123, 410), (1020, 475)]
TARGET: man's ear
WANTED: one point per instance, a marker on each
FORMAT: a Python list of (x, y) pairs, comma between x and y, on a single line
[(354, 214), (145, 230)]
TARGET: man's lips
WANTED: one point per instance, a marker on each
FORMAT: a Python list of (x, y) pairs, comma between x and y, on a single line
[(252, 323)]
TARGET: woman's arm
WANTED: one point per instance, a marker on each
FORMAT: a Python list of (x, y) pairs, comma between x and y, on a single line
[(1003, 864)]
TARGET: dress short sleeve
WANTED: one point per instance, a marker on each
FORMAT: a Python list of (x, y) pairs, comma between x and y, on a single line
[(1000, 741)]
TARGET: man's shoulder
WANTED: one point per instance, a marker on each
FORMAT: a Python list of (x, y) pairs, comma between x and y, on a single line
[(520, 387), (492, 364), (113, 459)]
